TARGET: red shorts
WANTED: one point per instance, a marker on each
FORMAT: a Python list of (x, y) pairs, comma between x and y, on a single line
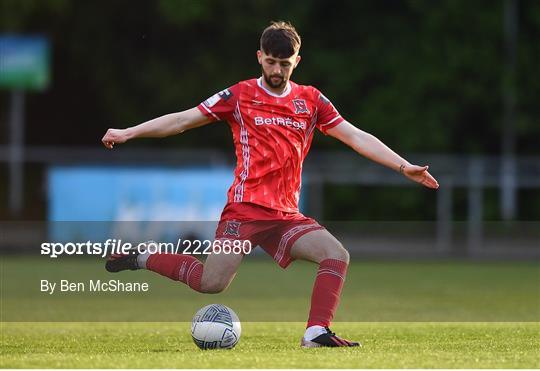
[(275, 231)]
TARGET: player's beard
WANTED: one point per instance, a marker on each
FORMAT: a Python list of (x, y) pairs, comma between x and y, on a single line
[(280, 84)]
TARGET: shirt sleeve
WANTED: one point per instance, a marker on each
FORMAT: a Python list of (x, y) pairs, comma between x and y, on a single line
[(327, 115), (220, 106)]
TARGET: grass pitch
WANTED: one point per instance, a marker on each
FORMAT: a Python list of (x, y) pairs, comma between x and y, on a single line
[(406, 315), (270, 345)]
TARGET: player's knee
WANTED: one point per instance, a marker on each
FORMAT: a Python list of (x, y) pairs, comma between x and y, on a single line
[(346, 256), (342, 255), (338, 252), (213, 287)]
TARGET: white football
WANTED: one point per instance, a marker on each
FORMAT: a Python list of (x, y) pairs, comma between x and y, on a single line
[(215, 327)]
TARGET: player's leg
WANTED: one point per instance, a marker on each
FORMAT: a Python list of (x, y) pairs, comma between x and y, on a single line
[(219, 271), (323, 248), (319, 245), (211, 277)]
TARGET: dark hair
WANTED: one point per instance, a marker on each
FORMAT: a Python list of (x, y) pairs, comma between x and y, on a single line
[(280, 40)]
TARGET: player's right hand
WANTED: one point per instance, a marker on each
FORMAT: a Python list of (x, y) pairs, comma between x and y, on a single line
[(113, 136)]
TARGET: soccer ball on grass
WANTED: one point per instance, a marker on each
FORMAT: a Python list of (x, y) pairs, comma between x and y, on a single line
[(215, 327)]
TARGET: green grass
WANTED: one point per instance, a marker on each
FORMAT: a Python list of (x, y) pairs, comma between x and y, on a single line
[(406, 314), (263, 292), (270, 345)]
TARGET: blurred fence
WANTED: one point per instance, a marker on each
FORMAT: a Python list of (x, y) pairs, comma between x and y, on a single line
[(474, 237), (443, 237)]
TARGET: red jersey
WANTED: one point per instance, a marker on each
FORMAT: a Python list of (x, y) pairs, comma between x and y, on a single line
[(272, 135)]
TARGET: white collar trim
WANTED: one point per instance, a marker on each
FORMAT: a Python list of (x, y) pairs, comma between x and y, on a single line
[(284, 94)]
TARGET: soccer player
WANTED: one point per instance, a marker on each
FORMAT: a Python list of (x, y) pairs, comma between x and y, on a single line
[(272, 120)]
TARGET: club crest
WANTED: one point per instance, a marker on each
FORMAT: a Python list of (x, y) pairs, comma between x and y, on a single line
[(300, 106), (232, 228)]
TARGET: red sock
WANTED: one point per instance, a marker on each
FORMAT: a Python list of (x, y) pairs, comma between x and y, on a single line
[(184, 268), (326, 292)]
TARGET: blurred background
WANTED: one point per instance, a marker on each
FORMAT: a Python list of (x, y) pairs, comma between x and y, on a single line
[(452, 84)]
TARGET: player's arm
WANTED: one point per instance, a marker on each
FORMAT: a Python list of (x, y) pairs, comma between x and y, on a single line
[(372, 148), (164, 126)]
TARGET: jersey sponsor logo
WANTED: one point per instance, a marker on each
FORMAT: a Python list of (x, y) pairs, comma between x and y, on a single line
[(300, 106), (280, 121)]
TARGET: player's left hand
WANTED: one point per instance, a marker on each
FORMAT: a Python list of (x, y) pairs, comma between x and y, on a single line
[(420, 175)]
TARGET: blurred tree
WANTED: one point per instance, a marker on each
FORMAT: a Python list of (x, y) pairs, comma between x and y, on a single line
[(424, 76)]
